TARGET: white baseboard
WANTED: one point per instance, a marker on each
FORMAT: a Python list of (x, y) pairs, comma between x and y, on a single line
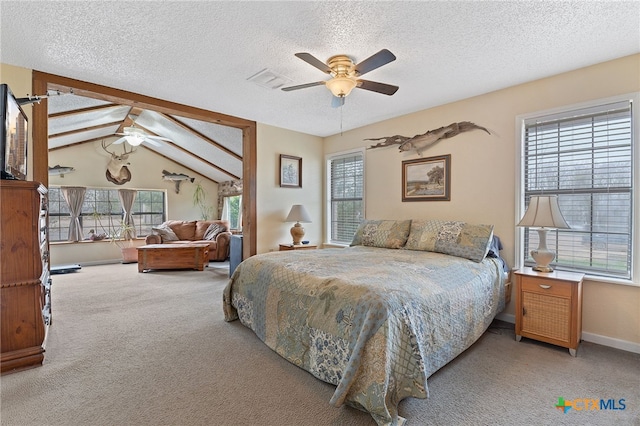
[(612, 342)]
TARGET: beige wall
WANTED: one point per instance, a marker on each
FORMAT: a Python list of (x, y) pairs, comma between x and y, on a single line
[(484, 172), (273, 202)]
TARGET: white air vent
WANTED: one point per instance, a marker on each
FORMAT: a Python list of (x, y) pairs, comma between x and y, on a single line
[(269, 79)]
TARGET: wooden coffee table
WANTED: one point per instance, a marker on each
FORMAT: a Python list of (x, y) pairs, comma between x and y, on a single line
[(173, 256)]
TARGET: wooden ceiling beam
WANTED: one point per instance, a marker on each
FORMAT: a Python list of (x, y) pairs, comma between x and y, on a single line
[(82, 110), (202, 136), (83, 129)]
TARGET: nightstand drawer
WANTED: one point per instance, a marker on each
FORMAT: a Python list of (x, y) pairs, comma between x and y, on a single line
[(549, 287)]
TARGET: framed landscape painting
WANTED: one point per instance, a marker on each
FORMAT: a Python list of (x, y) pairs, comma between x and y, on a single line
[(427, 179), (290, 171)]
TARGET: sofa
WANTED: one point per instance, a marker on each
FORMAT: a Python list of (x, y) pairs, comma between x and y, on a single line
[(214, 232)]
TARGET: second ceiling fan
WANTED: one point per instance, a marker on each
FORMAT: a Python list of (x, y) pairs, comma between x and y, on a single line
[(345, 74), (135, 136)]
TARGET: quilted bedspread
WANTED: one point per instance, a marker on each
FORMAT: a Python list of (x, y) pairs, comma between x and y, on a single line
[(374, 322)]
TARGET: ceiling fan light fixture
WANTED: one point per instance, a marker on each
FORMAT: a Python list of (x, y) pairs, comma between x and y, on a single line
[(134, 140), (341, 86)]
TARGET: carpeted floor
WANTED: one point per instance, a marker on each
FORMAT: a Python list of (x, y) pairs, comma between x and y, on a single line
[(153, 349)]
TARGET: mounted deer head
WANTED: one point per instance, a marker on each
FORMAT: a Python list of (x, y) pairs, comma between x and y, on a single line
[(117, 170)]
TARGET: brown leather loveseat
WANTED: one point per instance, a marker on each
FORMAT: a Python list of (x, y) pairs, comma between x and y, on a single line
[(214, 232)]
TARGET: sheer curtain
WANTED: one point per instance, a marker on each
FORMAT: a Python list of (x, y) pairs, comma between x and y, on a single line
[(127, 197), (226, 212), (74, 196)]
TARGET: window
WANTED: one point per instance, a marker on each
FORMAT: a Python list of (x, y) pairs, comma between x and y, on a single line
[(148, 211), (345, 189), (232, 211), (585, 157)]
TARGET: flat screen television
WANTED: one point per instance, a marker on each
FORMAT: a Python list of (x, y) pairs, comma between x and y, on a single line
[(13, 136)]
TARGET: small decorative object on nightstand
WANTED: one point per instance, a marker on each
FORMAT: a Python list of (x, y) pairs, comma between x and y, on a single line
[(549, 307), (284, 247)]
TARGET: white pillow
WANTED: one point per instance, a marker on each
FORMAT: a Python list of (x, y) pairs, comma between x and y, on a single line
[(165, 232)]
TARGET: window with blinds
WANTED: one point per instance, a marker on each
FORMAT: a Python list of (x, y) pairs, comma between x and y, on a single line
[(346, 196), (584, 157)]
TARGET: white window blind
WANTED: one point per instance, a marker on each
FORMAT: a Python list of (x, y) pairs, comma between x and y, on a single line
[(585, 157), (346, 194)]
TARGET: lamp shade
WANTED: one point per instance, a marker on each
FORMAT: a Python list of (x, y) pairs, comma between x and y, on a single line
[(543, 212), (341, 86), (298, 214)]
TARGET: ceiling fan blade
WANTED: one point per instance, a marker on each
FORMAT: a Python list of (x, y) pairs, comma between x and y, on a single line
[(374, 86), (374, 61), (119, 141), (159, 138), (302, 86), (312, 60), (153, 142), (337, 102)]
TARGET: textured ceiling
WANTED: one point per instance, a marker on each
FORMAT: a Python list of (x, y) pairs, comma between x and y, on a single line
[(202, 53)]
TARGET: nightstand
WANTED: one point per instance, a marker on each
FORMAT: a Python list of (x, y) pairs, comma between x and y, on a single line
[(284, 247), (549, 307)]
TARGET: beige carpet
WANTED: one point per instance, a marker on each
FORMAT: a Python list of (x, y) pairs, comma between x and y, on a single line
[(152, 349)]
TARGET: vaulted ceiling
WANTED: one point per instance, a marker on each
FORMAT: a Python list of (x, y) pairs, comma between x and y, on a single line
[(209, 149)]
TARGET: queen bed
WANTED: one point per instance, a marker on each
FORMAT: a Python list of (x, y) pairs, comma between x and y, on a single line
[(378, 318)]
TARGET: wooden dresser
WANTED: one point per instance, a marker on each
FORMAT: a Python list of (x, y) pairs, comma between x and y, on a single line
[(25, 285)]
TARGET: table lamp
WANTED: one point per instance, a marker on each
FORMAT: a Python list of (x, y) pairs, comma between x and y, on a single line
[(298, 214), (543, 213)]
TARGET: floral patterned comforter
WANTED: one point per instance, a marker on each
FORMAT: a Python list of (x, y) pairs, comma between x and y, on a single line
[(374, 322)]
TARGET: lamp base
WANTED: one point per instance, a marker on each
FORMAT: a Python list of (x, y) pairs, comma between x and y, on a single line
[(297, 233), (543, 256), (542, 268)]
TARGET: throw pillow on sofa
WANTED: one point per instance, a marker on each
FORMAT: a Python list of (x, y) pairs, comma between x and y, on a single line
[(212, 231), (165, 233)]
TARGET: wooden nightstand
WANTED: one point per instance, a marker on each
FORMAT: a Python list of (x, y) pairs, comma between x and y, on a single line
[(549, 307), (284, 247)]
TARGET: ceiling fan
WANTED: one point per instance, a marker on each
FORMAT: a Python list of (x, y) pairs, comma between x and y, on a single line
[(135, 136), (345, 74)]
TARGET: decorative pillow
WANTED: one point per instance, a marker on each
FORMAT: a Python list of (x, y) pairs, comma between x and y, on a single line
[(212, 231), (165, 232), (451, 237), (382, 233), (184, 229)]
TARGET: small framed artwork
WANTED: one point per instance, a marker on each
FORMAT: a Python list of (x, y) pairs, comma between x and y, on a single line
[(290, 171), (427, 179)]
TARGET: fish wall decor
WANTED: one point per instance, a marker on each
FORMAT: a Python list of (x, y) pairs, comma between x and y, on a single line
[(421, 142), (59, 170), (176, 178)]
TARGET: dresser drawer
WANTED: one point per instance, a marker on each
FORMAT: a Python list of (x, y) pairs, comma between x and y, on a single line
[(544, 286)]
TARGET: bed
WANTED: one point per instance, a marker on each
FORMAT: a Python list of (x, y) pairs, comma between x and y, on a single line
[(378, 318)]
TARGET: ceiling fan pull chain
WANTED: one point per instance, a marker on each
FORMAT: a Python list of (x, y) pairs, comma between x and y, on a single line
[(341, 107)]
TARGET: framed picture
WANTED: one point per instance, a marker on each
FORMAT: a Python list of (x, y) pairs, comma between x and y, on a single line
[(427, 179), (290, 171)]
